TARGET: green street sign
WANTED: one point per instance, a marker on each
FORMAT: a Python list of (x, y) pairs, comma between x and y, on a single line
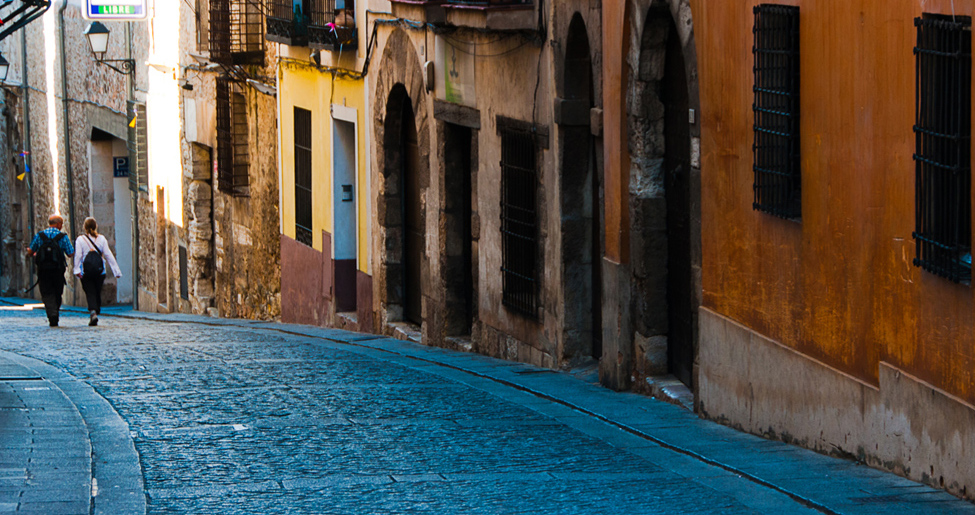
[(117, 10)]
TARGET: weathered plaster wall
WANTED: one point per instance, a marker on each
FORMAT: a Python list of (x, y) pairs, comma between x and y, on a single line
[(840, 285), (902, 424), (302, 84)]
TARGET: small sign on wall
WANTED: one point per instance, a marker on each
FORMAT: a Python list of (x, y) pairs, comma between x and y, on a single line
[(116, 9), (121, 168), (455, 71)]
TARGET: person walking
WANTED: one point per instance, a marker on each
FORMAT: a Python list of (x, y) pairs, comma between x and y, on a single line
[(89, 265), (48, 249)]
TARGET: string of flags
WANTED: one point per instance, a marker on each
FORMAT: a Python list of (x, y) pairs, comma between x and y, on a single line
[(26, 171)]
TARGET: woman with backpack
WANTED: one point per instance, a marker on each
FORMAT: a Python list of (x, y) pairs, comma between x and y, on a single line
[(91, 254)]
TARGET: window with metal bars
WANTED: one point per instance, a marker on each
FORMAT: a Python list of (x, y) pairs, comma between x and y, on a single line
[(138, 145), (942, 155), (778, 178), (303, 207), (233, 152), (519, 221), (236, 32)]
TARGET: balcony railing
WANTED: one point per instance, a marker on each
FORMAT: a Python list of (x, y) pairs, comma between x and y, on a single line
[(479, 14), (313, 23)]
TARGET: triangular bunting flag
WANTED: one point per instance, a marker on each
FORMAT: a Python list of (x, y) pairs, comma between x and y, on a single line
[(134, 118), (21, 176)]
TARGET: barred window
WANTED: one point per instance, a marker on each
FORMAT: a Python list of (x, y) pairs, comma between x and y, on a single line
[(942, 158), (519, 221), (303, 208), (233, 152), (778, 179), (138, 145), (236, 32)]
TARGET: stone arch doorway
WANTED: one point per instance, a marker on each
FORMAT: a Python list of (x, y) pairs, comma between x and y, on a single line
[(580, 201), (401, 153), (663, 192), (405, 226)]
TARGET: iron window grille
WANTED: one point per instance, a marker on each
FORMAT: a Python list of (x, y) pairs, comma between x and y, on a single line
[(138, 146), (236, 32), (942, 158), (519, 221), (777, 165), (233, 152), (303, 206), (322, 24)]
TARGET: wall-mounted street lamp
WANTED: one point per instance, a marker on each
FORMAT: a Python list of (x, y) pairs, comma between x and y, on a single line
[(97, 35), (4, 68)]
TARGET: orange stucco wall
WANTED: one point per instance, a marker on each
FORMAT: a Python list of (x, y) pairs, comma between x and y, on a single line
[(839, 286)]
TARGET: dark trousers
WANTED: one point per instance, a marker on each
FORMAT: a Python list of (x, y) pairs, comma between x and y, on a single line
[(51, 285), (92, 284)]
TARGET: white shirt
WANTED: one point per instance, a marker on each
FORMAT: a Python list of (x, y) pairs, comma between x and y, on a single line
[(82, 247)]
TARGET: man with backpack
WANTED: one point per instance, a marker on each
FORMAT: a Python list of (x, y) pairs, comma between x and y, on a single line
[(48, 249)]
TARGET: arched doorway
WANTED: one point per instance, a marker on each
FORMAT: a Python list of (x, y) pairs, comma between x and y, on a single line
[(661, 201), (404, 220), (580, 202), (677, 168)]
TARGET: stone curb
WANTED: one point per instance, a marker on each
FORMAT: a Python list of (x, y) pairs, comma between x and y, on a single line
[(116, 472)]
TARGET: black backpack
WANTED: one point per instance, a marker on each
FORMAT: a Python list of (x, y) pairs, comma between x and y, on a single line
[(50, 257), (93, 263)]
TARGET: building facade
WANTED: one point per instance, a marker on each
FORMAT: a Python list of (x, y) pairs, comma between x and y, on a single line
[(172, 159), (325, 192), (485, 175), (837, 308)]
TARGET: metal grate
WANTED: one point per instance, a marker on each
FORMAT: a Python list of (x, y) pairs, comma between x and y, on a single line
[(519, 221), (138, 145), (232, 139), (236, 32), (302, 135), (942, 130), (778, 179)]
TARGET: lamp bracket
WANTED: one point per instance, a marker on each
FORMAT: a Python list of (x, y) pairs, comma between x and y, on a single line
[(125, 66)]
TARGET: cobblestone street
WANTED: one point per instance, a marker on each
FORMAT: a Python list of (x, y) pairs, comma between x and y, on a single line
[(249, 417)]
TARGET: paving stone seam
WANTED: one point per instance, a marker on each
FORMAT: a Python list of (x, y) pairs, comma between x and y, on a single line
[(363, 344)]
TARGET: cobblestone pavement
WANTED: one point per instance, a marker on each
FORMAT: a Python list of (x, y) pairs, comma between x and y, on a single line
[(244, 417)]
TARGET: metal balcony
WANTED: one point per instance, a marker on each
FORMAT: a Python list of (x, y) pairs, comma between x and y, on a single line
[(318, 25)]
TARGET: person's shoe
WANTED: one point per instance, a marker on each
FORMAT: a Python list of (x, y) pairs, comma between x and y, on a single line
[(54, 322), (93, 319)]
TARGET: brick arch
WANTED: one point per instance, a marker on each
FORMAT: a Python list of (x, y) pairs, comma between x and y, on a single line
[(399, 80)]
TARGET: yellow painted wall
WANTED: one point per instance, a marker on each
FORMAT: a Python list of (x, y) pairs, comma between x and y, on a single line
[(302, 85)]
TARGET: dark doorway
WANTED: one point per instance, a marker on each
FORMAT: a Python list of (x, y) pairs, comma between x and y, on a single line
[(677, 167), (413, 222), (580, 194), (459, 245)]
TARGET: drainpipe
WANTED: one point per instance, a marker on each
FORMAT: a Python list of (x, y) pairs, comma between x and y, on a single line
[(67, 123), (29, 163), (135, 194)]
